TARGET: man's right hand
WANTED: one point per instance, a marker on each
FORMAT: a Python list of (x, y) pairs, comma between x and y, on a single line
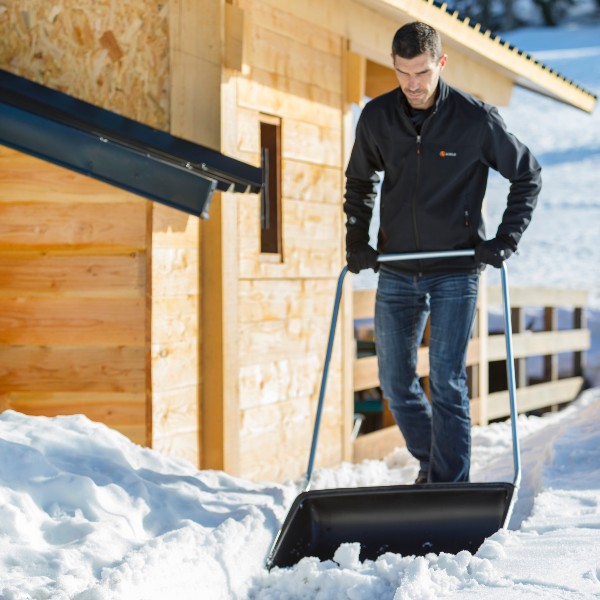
[(362, 257)]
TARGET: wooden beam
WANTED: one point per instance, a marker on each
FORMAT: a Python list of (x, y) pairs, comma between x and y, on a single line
[(541, 395), (377, 444), (540, 343), (366, 374), (196, 108), (233, 52), (356, 69), (539, 296), (551, 360)]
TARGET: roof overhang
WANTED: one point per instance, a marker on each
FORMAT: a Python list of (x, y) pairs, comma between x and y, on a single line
[(492, 51), (77, 135)]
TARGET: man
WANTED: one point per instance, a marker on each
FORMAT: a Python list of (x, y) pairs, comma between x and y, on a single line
[(435, 145)]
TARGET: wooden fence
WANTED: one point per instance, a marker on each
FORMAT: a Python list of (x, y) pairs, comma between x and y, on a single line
[(486, 364)]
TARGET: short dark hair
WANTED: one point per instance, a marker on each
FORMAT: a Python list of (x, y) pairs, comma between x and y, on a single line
[(416, 38)]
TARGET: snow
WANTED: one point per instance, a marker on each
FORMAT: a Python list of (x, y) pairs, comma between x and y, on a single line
[(87, 515)]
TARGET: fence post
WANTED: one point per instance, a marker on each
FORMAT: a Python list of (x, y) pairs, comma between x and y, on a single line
[(518, 326), (579, 322)]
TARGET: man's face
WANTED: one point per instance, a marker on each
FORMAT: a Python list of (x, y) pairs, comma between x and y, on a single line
[(418, 78)]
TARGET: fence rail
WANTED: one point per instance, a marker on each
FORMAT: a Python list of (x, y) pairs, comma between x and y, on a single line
[(486, 358)]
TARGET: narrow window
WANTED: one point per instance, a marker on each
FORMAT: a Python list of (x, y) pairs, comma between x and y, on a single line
[(270, 204)]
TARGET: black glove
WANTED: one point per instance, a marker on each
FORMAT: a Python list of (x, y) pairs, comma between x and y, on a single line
[(493, 252), (362, 257)]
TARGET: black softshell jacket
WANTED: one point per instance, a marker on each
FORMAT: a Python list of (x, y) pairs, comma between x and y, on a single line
[(434, 183)]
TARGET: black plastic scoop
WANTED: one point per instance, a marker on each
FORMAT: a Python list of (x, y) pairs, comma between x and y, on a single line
[(403, 519)]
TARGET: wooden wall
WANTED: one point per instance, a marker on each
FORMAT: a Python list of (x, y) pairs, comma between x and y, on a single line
[(72, 296), (292, 70), (99, 287)]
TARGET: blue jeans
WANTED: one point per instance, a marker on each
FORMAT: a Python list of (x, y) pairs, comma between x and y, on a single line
[(438, 435)]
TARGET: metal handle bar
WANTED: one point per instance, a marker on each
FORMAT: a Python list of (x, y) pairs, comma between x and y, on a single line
[(510, 371)]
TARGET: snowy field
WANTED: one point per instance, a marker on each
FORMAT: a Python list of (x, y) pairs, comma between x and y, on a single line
[(87, 515)]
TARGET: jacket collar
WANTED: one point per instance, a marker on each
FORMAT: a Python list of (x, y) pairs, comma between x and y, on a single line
[(442, 93)]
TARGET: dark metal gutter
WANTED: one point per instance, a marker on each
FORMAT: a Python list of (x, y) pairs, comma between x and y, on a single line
[(99, 143)]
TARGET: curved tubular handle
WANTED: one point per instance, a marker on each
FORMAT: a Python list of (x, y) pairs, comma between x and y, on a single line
[(334, 318), (510, 371), (510, 376)]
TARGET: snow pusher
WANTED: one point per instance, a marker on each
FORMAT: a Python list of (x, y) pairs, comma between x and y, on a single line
[(402, 519)]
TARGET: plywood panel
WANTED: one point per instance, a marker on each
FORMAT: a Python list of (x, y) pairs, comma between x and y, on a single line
[(113, 54)]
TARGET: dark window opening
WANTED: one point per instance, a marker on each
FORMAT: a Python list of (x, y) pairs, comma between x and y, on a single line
[(270, 201)]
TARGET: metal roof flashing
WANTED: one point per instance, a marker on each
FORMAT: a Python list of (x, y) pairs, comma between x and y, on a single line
[(99, 143)]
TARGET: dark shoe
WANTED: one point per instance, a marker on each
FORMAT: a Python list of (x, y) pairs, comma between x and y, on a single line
[(420, 479)]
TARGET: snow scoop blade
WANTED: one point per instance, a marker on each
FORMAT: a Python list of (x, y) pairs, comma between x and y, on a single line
[(407, 520)]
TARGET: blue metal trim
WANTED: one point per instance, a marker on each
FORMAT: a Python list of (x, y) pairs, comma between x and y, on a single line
[(96, 142)]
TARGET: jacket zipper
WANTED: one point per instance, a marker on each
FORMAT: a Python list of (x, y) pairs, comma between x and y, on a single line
[(414, 205)]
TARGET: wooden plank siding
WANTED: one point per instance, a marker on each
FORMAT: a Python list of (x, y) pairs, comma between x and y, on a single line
[(72, 296), (293, 71)]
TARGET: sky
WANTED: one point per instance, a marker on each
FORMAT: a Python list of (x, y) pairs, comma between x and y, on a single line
[(85, 514)]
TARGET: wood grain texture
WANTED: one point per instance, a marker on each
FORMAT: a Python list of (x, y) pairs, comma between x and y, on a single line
[(73, 318)]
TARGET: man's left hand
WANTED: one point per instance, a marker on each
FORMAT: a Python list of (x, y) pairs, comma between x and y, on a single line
[(493, 252)]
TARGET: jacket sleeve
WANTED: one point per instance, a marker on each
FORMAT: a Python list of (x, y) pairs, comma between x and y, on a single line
[(361, 185), (503, 152)]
